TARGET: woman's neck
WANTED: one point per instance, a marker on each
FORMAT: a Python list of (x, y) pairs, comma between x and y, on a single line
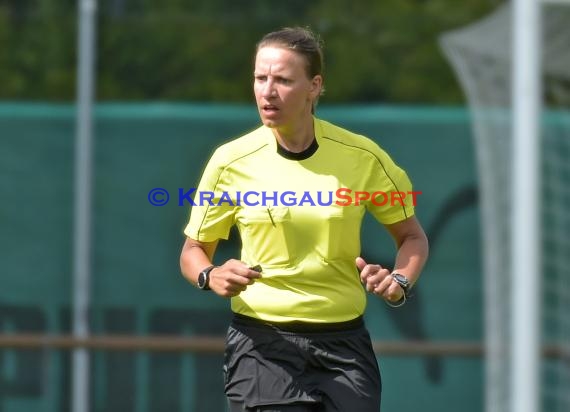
[(296, 139)]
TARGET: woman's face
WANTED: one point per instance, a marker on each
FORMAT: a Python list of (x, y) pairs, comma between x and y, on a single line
[(283, 91)]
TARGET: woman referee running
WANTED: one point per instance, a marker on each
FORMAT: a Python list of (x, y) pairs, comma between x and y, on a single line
[(297, 341)]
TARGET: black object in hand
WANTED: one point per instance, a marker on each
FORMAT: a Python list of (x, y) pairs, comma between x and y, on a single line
[(257, 268)]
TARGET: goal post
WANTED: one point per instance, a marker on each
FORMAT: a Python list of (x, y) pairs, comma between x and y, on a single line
[(509, 64), (525, 194)]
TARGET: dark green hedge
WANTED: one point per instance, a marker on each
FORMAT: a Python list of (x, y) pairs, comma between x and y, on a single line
[(201, 50)]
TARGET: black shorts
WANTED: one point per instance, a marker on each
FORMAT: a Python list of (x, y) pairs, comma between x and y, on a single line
[(328, 367)]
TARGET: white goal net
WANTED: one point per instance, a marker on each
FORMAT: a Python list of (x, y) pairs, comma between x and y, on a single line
[(481, 57)]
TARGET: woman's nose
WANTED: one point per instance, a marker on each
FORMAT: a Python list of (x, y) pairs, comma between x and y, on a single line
[(269, 90)]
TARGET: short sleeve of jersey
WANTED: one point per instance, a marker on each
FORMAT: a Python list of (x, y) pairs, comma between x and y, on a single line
[(392, 198), (211, 217)]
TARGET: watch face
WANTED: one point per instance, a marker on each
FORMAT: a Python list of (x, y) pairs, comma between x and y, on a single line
[(401, 280), (204, 278), (201, 280)]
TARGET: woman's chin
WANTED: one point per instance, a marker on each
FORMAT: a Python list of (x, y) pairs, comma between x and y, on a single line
[(271, 123)]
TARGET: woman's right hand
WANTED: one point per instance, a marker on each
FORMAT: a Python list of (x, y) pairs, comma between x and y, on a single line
[(232, 278)]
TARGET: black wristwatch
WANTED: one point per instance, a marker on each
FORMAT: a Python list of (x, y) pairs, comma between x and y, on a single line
[(204, 278), (403, 282)]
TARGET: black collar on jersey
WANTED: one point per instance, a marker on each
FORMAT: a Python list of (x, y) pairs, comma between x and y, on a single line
[(305, 154)]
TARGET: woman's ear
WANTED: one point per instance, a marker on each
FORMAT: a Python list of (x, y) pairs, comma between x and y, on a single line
[(316, 85)]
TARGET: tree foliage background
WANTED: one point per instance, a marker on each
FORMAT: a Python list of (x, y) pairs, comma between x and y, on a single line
[(202, 50)]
